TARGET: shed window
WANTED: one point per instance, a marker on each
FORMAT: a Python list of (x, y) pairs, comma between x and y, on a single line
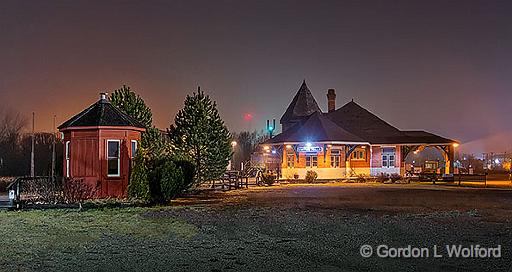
[(68, 158), (134, 149), (113, 158)]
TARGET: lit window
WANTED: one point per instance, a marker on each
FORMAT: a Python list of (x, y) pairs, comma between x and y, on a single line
[(311, 161), (335, 158), (388, 157), (359, 154), (134, 149), (290, 158), (68, 158), (113, 158)]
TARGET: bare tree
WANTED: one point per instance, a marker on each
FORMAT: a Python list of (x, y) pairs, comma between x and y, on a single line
[(12, 124), (246, 143)]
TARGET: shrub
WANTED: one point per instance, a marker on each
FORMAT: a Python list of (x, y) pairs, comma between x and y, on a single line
[(268, 178), (138, 186), (173, 177), (395, 177), (382, 178), (361, 178), (311, 176), (159, 178), (76, 191)]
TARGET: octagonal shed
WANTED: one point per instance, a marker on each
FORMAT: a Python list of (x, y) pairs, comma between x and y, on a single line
[(99, 145)]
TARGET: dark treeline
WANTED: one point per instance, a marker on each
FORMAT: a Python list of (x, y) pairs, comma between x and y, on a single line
[(15, 148), (15, 155)]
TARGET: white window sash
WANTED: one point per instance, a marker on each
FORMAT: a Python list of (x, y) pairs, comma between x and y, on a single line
[(68, 157), (118, 174)]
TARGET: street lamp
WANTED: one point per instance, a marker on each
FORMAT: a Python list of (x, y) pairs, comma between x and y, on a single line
[(233, 144)]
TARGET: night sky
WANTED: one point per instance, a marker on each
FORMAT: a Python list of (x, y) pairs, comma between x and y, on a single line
[(440, 66)]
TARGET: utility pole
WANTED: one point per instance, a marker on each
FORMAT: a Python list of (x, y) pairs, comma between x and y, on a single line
[(53, 147), (32, 173)]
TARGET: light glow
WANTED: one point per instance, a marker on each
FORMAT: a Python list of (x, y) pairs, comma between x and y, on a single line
[(455, 144), (288, 146), (308, 144)]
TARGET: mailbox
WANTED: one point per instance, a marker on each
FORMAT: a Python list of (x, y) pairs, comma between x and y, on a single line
[(12, 194)]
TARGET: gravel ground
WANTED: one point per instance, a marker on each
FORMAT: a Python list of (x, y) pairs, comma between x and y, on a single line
[(301, 228)]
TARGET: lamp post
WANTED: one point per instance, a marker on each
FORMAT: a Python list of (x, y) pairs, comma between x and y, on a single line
[(233, 145)]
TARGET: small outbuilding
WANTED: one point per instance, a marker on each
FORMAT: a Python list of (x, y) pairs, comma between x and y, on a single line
[(99, 146)]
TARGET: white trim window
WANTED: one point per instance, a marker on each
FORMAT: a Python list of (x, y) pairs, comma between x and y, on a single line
[(68, 159), (134, 148), (359, 154), (290, 160), (311, 160), (335, 158), (388, 157), (113, 158)]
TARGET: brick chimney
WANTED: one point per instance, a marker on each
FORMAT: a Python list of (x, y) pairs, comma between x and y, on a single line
[(331, 100)]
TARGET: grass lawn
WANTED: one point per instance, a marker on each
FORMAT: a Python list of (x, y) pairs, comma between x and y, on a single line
[(290, 228)]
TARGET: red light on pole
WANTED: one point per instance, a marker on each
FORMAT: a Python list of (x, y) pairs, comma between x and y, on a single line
[(248, 117)]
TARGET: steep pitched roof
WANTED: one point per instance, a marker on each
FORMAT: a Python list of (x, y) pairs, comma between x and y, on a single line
[(302, 105), (364, 124), (371, 128), (316, 128), (101, 113)]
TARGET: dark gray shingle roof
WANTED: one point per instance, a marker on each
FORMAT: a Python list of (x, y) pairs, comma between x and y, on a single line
[(302, 105), (316, 128), (102, 113)]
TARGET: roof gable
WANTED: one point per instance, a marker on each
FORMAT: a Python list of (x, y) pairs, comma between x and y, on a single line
[(101, 113), (364, 124), (302, 105)]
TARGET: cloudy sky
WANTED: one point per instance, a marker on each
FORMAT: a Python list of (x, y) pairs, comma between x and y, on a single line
[(440, 66)]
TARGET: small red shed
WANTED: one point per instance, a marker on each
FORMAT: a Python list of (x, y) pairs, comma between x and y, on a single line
[(99, 145)]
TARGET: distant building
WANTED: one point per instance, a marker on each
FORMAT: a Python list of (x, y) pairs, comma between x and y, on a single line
[(344, 142), (99, 144)]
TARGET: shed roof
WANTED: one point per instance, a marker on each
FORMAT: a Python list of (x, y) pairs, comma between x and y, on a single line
[(102, 113)]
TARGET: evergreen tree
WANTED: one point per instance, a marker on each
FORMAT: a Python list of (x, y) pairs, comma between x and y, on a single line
[(133, 105), (151, 146), (199, 132)]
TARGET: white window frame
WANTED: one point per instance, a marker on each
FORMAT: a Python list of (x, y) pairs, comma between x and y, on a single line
[(335, 158), (136, 148), (387, 162), (68, 158), (290, 160), (359, 154), (118, 158), (311, 161)]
